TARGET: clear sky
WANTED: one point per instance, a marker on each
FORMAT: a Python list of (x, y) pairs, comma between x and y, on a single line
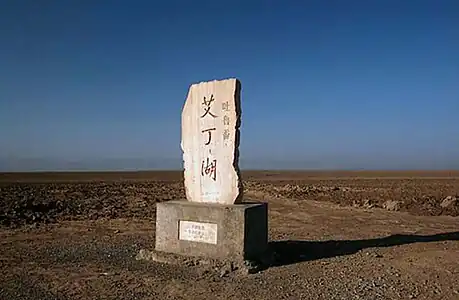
[(325, 84)]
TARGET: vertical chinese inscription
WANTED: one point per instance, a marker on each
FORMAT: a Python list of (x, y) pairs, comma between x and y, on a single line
[(226, 122), (210, 141), (208, 165)]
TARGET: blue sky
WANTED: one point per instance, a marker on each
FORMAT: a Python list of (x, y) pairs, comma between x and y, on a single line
[(325, 84)]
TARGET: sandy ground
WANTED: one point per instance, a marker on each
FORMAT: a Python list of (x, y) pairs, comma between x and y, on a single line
[(75, 236)]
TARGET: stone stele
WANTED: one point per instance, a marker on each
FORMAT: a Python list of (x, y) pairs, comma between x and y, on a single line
[(211, 119), (214, 222)]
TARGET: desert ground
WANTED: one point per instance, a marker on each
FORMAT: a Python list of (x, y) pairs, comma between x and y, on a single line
[(333, 235)]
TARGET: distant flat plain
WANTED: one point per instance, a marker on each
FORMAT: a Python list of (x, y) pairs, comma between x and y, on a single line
[(246, 174)]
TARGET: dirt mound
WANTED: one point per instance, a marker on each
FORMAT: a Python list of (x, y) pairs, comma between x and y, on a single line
[(412, 196)]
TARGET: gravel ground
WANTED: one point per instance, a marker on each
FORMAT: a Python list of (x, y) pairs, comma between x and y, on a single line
[(80, 239)]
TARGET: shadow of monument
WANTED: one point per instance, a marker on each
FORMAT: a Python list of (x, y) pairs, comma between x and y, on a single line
[(291, 251)]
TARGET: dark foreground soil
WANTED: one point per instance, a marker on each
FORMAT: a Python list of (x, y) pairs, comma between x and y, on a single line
[(337, 235)]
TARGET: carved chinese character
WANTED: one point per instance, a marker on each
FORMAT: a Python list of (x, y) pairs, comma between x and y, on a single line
[(225, 106), (226, 134), (209, 168), (207, 105), (210, 134), (226, 120)]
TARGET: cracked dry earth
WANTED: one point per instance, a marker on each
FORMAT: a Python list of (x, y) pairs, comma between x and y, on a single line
[(325, 249)]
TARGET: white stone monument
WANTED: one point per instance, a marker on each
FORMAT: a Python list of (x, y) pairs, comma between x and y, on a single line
[(214, 221), (210, 142)]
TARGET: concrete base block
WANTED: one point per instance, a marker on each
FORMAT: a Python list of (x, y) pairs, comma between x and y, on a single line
[(236, 232)]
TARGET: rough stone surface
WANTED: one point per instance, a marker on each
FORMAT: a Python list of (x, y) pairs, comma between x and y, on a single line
[(449, 202), (242, 229), (392, 205), (211, 119)]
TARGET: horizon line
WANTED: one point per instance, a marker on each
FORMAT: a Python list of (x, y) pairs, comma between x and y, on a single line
[(243, 170)]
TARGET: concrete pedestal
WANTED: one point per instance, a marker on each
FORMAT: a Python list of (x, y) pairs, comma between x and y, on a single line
[(236, 232)]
